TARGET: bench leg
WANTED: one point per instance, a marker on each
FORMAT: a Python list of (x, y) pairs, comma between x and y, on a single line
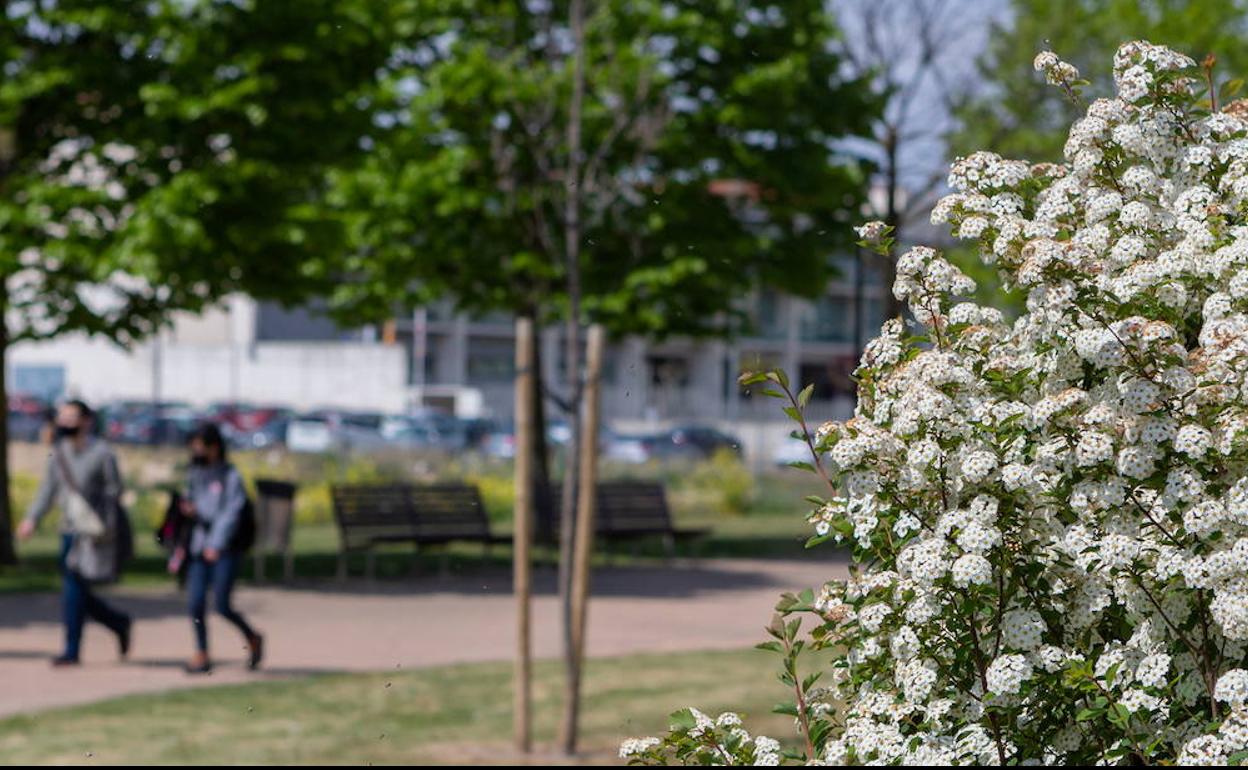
[(444, 562), (669, 545), (342, 566), (370, 565), (288, 571), (257, 563)]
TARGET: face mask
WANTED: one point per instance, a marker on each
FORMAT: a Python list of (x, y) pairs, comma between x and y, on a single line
[(67, 431), (198, 459)]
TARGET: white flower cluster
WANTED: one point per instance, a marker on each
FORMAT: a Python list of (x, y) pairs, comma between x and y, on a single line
[(1051, 514), (720, 741), (1056, 71)]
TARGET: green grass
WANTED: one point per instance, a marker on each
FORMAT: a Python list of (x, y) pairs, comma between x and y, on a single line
[(769, 535), (442, 715)]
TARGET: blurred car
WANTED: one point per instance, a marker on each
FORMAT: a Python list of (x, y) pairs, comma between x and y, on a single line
[(701, 438), (626, 448), (311, 432), (271, 434), (791, 450), (359, 431), (27, 416), (501, 442), (145, 423), (408, 433), (330, 430)]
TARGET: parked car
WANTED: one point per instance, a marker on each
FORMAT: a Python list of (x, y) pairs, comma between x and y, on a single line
[(501, 442), (626, 448), (359, 431), (690, 442), (271, 434), (791, 450), (149, 424), (27, 416), (330, 430), (310, 432)]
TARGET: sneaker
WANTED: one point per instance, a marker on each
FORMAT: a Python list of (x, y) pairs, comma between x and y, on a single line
[(123, 639), (64, 661), (198, 668), (255, 647)]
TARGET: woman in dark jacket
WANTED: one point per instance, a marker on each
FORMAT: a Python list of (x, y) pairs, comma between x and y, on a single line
[(214, 499)]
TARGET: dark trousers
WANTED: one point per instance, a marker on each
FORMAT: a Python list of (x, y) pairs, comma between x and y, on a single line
[(79, 602), (221, 575)]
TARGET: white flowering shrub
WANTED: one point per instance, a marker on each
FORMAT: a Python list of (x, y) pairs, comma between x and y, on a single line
[(1048, 517)]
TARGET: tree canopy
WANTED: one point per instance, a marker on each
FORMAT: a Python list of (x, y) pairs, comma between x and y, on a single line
[(1017, 115), (157, 155), (709, 164)]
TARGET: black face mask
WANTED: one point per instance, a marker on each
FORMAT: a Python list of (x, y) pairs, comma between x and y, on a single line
[(198, 459), (68, 431)]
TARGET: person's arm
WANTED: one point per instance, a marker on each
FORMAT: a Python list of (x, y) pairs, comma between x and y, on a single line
[(48, 488), (233, 498)]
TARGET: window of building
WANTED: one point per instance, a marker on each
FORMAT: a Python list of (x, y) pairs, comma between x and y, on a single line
[(828, 319), (491, 361), (769, 321)]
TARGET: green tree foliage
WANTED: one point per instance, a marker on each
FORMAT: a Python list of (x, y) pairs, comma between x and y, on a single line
[(709, 162), (158, 154), (1018, 116)]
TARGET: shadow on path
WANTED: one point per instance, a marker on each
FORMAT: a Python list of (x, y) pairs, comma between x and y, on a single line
[(684, 579)]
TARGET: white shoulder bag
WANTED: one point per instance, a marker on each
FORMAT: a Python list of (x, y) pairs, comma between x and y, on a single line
[(82, 518)]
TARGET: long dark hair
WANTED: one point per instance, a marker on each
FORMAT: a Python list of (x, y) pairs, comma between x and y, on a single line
[(209, 434)]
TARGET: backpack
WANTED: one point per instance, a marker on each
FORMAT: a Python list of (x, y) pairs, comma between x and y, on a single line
[(245, 533)]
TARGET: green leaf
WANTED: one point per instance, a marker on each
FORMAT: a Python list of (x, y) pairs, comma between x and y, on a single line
[(803, 398)]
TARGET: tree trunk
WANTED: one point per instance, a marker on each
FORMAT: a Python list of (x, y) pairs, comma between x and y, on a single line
[(584, 546), (8, 555), (892, 218), (523, 533), (572, 245), (543, 492)]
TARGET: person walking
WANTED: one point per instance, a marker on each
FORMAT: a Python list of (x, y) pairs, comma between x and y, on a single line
[(83, 481), (215, 500)]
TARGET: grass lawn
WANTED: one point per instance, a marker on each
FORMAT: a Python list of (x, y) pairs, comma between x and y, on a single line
[(768, 535), (443, 715)]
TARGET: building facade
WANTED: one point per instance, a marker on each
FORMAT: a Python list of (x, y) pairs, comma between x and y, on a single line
[(246, 351)]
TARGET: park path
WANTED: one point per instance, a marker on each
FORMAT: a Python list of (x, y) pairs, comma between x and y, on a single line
[(424, 621)]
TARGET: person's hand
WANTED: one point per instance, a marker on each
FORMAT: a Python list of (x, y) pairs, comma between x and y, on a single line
[(25, 529), (211, 555)]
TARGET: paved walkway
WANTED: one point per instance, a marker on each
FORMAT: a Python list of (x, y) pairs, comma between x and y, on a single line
[(425, 621)]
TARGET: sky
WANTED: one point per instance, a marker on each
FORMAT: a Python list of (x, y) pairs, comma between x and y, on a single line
[(960, 27)]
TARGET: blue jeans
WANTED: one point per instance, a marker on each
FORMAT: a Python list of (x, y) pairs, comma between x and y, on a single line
[(221, 575), (79, 602)]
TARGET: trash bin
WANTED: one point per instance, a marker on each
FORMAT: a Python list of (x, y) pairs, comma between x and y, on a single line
[(275, 514)]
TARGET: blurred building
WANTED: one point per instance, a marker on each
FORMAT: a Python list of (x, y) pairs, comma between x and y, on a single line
[(261, 353)]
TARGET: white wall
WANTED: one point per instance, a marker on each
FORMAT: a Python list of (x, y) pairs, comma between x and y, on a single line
[(304, 375)]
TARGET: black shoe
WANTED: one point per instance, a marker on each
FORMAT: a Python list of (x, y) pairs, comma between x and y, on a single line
[(123, 639), (255, 646), (64, 661), (203, 668)]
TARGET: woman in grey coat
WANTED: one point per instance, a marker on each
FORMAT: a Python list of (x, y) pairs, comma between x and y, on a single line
[(215, 498), (81, 465)]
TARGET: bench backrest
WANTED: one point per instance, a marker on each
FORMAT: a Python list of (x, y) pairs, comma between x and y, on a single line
[(365, 512), (632, 506), (448, 511)]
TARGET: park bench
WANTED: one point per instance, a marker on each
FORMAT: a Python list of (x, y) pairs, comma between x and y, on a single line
[(633, 510), (421, 514), (630, 511)]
